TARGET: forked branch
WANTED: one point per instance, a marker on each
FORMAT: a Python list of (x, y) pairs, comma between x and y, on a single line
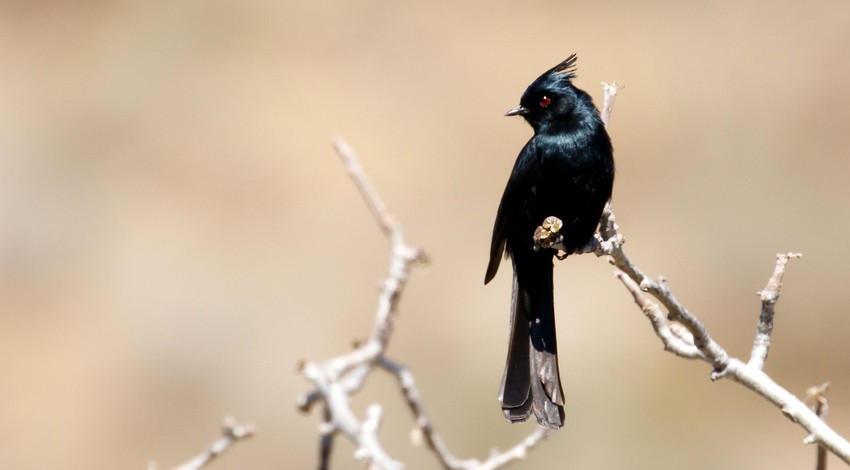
[(335, 380), (683, 334)]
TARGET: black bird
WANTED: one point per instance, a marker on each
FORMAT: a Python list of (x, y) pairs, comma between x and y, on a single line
[(565, 170)]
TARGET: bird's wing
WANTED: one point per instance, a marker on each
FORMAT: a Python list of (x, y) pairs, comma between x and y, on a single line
[(513, 200)]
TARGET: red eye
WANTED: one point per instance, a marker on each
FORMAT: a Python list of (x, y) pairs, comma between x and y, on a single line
[(545, 101)]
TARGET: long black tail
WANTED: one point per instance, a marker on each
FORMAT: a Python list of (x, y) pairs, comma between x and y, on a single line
[(531, 383)]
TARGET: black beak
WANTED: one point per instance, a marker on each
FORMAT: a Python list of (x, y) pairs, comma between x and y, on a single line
[(518, 111)]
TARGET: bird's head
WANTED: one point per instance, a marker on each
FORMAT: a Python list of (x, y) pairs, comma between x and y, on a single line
[(551, 98)]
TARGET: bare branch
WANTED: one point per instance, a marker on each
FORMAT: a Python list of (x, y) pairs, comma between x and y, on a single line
[(674, 341), (769, 296), (379, 211), (683, 334), (231, 433), (370, 444), (336, 379), (817, 395), (711, 352), (423, 423), (715, 354), (426, 431), (517, 452), (327, 432), (610, 243), (609, 91), (343, 419)]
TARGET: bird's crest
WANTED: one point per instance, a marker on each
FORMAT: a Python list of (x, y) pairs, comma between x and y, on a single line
[(566, 69)]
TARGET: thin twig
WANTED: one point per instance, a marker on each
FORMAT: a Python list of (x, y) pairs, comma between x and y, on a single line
[(231, 433), (376, 205), (673, 340), (426, 430), (769, 296), (817, 394), (609, 94), (517, 452), (327, 432), (612, 246), (423, 423)]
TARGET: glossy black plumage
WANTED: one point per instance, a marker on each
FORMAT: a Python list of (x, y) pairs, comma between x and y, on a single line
[(565, 170)]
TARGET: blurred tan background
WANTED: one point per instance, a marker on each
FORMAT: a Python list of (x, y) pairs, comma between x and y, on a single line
[(176, 232)]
